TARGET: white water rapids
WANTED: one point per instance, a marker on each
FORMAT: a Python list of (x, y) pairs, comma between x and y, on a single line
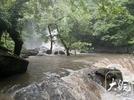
[(126, 66), (77, 85)]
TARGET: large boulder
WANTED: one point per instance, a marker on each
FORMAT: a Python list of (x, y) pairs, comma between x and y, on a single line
[(48, 52), (61, 52), (107, 75), (11, 65), (56, 52), (64, 85)]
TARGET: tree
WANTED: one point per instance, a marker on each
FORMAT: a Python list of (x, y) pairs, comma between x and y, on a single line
[(81, 46), (9, 24), (99, 22), (111, 25)]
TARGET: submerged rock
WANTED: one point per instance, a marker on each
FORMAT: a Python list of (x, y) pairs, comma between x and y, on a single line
[(11, 65)]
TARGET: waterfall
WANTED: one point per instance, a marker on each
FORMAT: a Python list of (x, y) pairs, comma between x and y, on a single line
[(32, 39)]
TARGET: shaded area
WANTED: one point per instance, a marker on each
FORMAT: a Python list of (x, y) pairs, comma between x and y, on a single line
[(11, 64)]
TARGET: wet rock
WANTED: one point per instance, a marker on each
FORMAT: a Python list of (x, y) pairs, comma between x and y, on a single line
[(51, 88), (29, 52), (11, 65), (48, 52), (61, 52), (32, 92), (56, 52), (106, 76), (57, 89), (73, 86)]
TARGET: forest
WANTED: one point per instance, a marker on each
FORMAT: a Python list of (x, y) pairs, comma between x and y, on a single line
[(86, 25)]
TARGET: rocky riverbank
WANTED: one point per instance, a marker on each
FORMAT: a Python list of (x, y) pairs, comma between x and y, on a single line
[(11, 64)]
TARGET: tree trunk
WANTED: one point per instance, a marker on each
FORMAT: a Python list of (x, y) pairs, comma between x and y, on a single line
[(51, 39), (63, 42), (17, 40), (67, 52), (0, 37), (75, 52), (18, 47)]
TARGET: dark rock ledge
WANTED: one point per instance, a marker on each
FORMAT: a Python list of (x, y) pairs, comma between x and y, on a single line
[(11, 64)]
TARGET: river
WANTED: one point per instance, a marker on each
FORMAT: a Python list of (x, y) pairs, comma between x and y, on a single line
[(40, 65)]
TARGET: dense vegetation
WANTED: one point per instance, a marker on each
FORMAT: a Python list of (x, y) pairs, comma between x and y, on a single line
[(10, 13), (79, 23)]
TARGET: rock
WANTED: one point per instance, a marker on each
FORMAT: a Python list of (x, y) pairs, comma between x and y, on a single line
[(11, 65), (50, 89), (48, 52), (61, 52), (106, 76), (69, 85), (29, 52), (56, 52)]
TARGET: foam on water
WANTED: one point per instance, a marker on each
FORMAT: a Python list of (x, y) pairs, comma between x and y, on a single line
[(76, 85), (126, 66)]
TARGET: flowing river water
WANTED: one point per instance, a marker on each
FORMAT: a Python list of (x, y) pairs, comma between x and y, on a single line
[(65, 78)]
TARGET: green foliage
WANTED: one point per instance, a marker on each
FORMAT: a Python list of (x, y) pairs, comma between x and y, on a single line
[(7, 42), (113, 23), (108, 21), (82, 46), (10, 16)]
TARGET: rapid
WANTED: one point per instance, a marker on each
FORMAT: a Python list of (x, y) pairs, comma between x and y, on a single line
[(67, 78)]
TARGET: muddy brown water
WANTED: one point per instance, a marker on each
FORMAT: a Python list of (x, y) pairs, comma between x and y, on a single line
[(39, 65)]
